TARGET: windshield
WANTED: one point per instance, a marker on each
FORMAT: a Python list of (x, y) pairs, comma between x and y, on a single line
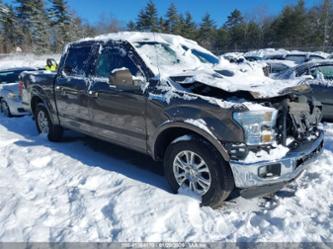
[(158, 53), (203, 57)]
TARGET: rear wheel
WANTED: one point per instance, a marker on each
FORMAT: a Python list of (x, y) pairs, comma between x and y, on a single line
[(5, 109), (197, 166), (45, 126)]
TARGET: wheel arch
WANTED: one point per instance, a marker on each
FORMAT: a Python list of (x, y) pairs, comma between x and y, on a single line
[(172, 131), (35, 100)]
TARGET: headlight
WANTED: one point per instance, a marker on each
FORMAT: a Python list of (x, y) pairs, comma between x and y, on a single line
[(12, 95), (258, 126)]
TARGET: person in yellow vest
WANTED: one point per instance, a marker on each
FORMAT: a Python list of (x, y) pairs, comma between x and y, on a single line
[(51, 65)]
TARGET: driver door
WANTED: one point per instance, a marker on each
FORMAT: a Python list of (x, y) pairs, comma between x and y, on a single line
[(118, 115)]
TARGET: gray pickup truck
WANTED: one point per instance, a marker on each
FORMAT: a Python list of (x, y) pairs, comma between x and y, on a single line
[(215, 128)]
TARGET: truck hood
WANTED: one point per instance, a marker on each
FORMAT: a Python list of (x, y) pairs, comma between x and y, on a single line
[(258, 85)]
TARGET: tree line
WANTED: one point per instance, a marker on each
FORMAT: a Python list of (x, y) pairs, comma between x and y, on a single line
[(295, 27), (42, 26), (38, 26)]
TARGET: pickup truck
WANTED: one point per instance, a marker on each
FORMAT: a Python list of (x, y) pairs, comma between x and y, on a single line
[(216, 130)]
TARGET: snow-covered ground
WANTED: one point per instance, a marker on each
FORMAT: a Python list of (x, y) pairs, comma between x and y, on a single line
[(86, 190)]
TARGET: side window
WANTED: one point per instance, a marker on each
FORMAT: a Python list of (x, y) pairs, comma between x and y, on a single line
[(111, 59), (77, 61), (322, 72)]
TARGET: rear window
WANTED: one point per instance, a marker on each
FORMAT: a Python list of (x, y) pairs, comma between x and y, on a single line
[(296, 58), (9, 77), (77, 61)]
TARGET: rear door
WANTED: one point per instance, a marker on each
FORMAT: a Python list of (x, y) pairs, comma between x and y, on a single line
[(71, 88), (118, 115)]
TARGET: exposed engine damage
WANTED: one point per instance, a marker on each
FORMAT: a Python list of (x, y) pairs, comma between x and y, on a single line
[(297, 121)]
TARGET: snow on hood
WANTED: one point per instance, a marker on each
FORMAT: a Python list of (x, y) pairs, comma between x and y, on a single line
[(260, 85), (167, 58)]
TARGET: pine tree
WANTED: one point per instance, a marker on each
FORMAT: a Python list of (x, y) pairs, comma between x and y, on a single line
[(253, 36), (326, 20), (173, 22), (188, 27), (207, 33), (11, 31), (148, 18), (131, 26), (291, 26), (34, 22), (236, 27), (235, 19), (60, 21)]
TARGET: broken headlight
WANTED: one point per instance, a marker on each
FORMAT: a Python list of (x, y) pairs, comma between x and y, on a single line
[(12, 95), (258, 126)]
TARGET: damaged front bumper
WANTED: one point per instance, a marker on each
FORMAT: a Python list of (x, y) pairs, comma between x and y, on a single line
[(247, 175)]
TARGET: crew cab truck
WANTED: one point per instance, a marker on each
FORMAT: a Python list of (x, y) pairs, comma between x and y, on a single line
[(140, 91)]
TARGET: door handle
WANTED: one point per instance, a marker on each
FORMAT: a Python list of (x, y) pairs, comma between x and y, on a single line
[(93, 94), (58, 88)]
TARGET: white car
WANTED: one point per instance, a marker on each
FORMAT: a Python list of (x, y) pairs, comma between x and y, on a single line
[(10, 100)]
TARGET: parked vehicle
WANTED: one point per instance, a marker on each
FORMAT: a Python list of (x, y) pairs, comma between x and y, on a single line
[(322, 84), (278, 66), (9, 92), (214, 131), (253, 58), (296, 57)]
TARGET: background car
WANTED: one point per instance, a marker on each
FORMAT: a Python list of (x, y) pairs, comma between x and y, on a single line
[(278, 66), (298, 57), (321, 75), (10, 100)]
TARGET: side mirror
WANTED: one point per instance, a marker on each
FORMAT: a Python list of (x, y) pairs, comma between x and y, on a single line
[(122, 78), (68, 70)]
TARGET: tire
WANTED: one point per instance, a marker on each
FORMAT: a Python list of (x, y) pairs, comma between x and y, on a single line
[(5, 109), (220, 175), (44, 124)]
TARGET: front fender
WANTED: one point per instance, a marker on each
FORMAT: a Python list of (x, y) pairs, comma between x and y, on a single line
[(191, 127)]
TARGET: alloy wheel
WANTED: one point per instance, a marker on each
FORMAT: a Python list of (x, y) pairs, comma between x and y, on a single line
[(43, 122), (191, 171)]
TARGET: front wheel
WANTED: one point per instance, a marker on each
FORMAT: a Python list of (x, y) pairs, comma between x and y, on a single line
[(45, 126), (197, 166)]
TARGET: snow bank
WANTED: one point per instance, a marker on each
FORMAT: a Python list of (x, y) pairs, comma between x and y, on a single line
[(25, 60), (87, 190)]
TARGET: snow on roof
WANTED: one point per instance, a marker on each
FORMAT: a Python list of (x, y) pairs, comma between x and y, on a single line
[(272, 51), (175, 60), (156, 59)]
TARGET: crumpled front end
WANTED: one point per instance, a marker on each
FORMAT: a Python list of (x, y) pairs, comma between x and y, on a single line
[(298, 141)]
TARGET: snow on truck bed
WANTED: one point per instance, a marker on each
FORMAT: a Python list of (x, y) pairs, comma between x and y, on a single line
[(86, 190)]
